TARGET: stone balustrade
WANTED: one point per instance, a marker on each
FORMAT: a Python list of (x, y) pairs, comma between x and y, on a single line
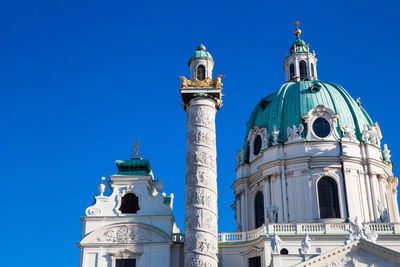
[(302, 228)]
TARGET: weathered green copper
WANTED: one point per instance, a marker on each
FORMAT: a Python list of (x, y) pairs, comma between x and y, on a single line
[(134, 167), (286, 106), (200, 53), (301, 46)]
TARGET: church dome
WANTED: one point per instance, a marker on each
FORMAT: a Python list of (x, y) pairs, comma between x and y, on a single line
[(201, 52), (294, 99)]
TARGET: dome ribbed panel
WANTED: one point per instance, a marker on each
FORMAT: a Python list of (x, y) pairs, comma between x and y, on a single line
[(294, 99)]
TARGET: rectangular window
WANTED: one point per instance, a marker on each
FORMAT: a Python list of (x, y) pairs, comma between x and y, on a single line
[(125, 263), (255, 262)]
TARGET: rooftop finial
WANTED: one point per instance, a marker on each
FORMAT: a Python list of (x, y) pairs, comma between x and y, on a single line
[(297, 32), (201, 47)]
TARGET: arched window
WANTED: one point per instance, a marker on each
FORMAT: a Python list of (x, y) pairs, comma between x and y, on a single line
[(303, 70), (328, 198), (312, 70), (291, 71), (129, 203), (201, 72), (259, 209)]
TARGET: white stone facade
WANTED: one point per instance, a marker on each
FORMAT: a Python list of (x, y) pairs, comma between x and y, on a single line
[(363, 231), (109, 235)]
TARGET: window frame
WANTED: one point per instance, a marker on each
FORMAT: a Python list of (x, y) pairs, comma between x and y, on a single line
[(338, 195)]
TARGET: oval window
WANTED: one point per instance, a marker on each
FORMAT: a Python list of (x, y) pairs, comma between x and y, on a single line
[(321, 127), (257, 145)]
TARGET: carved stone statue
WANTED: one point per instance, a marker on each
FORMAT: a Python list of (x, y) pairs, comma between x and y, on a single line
[(159, 185), (306, 244), (275, 135), (272, 214), (370, 135), (264, 136), (240, 156), (372, 237), (295, 132), (356, 232), (386, 153), (373, 135), (136, 148), (383, 213), (207, 82), (348, 133), (366, 134), (276, 244)]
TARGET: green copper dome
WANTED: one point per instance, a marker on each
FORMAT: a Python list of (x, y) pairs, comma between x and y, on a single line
[(200, 53), (286, 106), (301, 46)]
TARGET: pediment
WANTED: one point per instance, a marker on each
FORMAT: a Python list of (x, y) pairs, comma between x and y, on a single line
[(126, 233), (359, 253)]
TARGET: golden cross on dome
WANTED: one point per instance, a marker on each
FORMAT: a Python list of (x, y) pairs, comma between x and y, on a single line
[(297, 32)]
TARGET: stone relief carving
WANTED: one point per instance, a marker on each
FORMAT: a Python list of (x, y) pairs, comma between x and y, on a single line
[(201, 201), (276, 244), (203, 137), (201, 242), (203, 117), (204, 158), (349, 134), (201, 196), (275, 136), (358, 258), (272, 214), (294, 134), (126, 234), (305, 245), (198, 261)]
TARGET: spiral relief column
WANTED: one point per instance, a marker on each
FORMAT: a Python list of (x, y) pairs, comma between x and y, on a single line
[(201, 98), (201, 229)]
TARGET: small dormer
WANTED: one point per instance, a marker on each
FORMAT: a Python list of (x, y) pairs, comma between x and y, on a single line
[(201, 64), (301, 64)]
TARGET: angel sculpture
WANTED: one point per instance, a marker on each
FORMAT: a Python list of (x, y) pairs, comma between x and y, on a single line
[(348, 133), (295, 132), (306, 244)]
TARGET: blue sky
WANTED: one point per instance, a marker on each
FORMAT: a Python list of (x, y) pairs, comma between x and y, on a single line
[(81, 80)]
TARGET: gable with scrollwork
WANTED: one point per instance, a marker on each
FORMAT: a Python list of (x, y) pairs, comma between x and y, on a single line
[(126, 233)]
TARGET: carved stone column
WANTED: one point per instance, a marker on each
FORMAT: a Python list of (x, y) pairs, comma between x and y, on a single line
[(201, 228), (374, 193)]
